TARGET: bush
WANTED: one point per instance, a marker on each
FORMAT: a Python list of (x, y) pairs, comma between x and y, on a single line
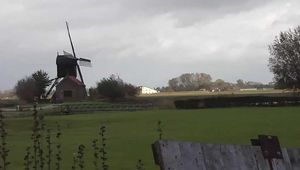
[(114, 88), (92, 93), (33, 86), (26, 89)]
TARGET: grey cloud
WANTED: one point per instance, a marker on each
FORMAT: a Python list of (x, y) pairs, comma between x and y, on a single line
[(144, 41)]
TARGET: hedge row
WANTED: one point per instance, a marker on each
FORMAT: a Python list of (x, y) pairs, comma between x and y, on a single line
[(236, 101), (70, 108), (8, 103)]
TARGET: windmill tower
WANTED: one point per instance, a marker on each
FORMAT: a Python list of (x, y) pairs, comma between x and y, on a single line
[(68, 87)]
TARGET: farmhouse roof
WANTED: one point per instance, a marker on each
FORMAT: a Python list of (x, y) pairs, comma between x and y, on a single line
[(75, 80), (71, 79)]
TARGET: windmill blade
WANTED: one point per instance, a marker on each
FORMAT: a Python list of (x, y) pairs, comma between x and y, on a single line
[(56, 80), (71, 42), (74, 54), (85, 62)]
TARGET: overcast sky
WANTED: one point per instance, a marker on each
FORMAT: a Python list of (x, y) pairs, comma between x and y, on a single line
[(145, 42)]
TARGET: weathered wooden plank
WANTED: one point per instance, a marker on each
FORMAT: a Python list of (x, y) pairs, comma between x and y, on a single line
[(261, 163), (170, 154), (195, 156), (192, 156), (282, 164), (233, 157), (294, 158)]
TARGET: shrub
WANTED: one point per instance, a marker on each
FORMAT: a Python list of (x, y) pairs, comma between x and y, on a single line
[(114, 88), (26, 89), (33, 86)]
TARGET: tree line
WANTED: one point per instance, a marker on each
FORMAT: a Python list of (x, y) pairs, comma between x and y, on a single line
[(284, 63), (33, 87), (203, 81)]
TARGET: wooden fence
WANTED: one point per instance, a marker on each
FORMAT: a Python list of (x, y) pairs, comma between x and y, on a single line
[(174, 155), (58, 109)]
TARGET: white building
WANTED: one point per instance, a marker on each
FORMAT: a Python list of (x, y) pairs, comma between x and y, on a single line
[(249, 89), (147, 90)]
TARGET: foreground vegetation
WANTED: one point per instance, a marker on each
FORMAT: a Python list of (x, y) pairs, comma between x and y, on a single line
[(130, 134)]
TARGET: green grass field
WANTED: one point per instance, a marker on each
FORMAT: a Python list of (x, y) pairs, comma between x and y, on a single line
[(131, 133)]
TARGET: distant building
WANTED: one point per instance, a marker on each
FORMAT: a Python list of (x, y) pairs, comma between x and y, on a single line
[(147, 90), (249, 89), (69, 89), (216, 90), (8, 95), (268, 88)]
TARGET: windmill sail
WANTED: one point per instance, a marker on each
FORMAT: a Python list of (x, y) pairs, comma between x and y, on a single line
[(82, 61), (73, 50), (85, 62)]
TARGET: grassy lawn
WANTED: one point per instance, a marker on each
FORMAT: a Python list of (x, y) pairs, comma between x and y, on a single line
[(131, 133)]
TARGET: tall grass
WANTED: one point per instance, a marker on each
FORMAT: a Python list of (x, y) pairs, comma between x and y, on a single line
[(3, 144)]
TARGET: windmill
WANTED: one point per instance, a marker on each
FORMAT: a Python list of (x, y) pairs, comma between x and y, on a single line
[(67, 67)]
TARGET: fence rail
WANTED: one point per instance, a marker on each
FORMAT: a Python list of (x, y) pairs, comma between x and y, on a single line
[(76, 108)]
